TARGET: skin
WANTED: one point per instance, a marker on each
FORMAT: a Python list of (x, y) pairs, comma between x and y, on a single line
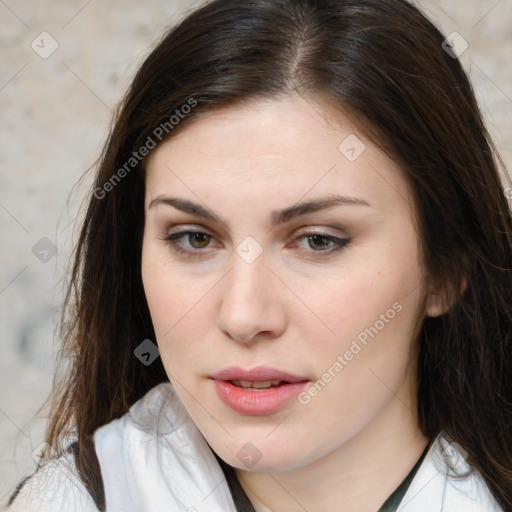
[(297, 306)]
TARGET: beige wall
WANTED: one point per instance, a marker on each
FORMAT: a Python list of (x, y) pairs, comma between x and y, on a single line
[(55, 113)]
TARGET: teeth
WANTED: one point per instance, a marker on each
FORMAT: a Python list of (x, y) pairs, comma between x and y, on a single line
[(263, 384)]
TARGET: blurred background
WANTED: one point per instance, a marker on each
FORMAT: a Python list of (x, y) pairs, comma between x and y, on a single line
[(65, 66)]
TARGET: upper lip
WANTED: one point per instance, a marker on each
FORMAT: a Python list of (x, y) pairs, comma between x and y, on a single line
[(257, 374)]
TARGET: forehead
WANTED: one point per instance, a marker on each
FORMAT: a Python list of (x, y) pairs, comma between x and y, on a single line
[(275, 151)]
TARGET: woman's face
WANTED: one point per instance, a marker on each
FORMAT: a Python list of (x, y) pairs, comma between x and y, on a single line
[(281, 268)]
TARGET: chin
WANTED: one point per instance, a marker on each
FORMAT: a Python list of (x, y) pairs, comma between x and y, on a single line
[(265, 456)]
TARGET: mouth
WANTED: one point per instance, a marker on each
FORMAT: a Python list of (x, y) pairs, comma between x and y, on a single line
[(259, 391), (259, 385), (265, 375)]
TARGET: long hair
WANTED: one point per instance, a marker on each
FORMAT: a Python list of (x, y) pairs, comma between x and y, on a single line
[(384, 61)]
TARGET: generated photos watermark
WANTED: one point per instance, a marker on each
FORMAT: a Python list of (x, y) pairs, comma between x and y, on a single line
[(455, 45), (44, 45), (158, 134), (455, 456), (147, 352), (352, 147), (249, 455), (508, 195), (357, 345), (249, 249)]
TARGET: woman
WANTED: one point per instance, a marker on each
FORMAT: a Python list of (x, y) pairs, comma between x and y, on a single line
[(300, 205)]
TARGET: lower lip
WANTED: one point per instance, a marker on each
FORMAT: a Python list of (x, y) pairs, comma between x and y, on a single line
[(258, 402)]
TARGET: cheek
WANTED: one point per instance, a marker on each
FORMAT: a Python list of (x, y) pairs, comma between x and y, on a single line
[(181, 307), (373, 313), (377, 296)]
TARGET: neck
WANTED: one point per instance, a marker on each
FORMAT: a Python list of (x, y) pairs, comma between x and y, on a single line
[(360, 474)]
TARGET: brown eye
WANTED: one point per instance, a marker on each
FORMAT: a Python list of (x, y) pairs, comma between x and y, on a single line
[(199, 240), (319, 242), (189, 242)]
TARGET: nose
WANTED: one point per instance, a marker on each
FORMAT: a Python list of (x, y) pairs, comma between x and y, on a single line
[(251, 307)]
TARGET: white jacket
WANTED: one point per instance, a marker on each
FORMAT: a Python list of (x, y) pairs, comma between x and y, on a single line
[(154, 459)]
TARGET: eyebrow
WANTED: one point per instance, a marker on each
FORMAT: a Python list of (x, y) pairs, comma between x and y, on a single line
[(277, 216)]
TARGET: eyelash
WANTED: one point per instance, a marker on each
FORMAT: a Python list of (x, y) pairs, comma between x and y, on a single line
[(171, 239)]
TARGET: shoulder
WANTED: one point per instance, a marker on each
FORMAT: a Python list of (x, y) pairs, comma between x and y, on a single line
[(447, 483), (152, 459), (54, 487)]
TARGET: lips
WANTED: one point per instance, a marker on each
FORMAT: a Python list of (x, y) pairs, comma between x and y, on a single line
[(258, 374), (259, 391)]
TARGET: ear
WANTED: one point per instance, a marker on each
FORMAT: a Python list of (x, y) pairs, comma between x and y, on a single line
[(441, 299)]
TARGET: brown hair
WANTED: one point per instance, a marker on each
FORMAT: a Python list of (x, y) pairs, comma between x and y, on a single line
[(383, 60)]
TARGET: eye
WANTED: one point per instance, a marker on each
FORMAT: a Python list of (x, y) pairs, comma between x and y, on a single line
[(194, 241), (320, 242)]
